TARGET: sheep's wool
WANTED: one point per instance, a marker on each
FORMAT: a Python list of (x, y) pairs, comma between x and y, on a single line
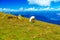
[(31, 18)]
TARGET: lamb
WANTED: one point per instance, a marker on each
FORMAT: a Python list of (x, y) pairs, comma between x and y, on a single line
[(32, 19)]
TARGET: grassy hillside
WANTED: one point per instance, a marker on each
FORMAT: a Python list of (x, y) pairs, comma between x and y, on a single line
[(22, 29)]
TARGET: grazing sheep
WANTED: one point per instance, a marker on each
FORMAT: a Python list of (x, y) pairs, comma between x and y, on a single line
[(32, 19)]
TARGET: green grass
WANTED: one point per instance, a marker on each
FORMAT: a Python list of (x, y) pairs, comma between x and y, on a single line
[(22, 29)]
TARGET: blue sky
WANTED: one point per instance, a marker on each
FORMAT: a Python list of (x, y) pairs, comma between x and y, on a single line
[(30, 4), (12, 3)]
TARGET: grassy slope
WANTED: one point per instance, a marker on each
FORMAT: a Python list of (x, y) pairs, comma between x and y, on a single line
[(15, 29)]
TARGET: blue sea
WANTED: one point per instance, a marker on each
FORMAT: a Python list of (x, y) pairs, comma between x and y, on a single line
[(45, 16)]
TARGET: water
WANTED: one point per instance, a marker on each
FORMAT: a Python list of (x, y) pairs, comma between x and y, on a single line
[(46, 16)]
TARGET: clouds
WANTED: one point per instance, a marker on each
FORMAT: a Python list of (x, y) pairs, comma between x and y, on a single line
[(29, 9), (55, 0), (42, 9), (20, 8), (7, 10), (41, 2), (0, 9)]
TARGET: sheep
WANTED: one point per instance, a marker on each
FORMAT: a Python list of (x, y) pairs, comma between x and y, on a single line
[(32, 19)]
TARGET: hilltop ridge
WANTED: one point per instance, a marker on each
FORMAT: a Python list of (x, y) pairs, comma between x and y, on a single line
[(22, 29)]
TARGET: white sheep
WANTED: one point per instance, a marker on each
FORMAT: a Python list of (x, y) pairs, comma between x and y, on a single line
[(32, 18)]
